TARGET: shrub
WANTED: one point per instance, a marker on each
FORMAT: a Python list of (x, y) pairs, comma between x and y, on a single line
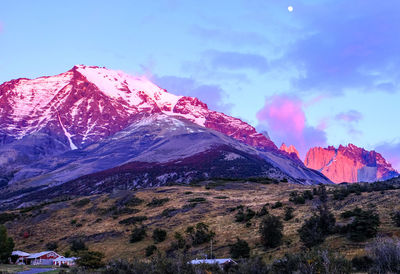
[(90, 259), (197, 200), (133, 220), (138, 234), (240, 249), (263, 211), (308, 195), (315, 261), (169, 212), (386, 255), (51, 246), (157, 202), (277, 205), (296, 198), (396, 218), (6, 245), (5, 217), (288, 213), (78, 245), (271, 231), (364, 225), (200, 234), (159, 235), (150, 250), (311, 233), (133, 201), (242, 217), (82, 202), (362, 263)]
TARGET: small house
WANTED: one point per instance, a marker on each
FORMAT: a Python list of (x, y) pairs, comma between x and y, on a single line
[(42, 258), (21, 256), (64, 261), (222, 263)]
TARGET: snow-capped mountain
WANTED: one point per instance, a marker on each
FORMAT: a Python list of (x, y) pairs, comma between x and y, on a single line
[(88, 103), (89, 120), (349, 164)]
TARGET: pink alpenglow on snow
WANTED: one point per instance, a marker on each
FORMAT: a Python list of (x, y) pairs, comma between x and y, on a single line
[(89, 103)]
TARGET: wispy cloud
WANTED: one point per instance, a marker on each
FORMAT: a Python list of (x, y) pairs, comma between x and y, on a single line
[(350, 116), (358, 51), (212, 95), (236, 60)]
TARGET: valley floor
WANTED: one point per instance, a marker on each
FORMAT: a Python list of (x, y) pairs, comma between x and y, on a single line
[(97, 219)]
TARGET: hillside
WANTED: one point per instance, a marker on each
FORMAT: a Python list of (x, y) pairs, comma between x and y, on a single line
[(96, 219)]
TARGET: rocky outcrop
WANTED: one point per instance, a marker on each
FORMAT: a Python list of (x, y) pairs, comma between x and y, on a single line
[(349, 164)]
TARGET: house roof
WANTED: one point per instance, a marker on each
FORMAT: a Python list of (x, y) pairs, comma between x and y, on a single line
[(63, 259), (212, 261), (40, 254), (20, 253)]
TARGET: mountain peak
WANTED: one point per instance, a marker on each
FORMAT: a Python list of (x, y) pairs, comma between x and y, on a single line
[(291, 150), (88, 103), (349, 164)]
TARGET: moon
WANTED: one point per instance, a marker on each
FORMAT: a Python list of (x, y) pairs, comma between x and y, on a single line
[(290, 8)]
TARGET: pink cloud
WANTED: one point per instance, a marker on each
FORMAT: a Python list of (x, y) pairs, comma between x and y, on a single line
[(284, 118)]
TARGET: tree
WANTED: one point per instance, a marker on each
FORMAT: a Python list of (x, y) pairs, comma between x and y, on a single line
[(288, 213), (51, 246), (150, 250), (201, 234), (159, 235), (240, 249), (311, 233), (6, 245), (78, 245), (396, 218), (90, 259), (271, 231), (364, 225), (138, 234)]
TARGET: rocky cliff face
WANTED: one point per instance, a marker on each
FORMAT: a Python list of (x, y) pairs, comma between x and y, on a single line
[(349, 164), (290, 149)]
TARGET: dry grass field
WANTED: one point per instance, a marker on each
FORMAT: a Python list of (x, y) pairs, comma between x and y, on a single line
[(94, 221)]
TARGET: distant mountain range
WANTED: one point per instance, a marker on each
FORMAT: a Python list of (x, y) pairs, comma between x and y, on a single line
[(92, 129)]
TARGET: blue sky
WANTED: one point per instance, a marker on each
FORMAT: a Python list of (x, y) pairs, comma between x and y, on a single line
[(331, 69)]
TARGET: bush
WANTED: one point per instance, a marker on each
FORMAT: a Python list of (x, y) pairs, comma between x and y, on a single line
[(138, 234), (159, 235), (240, 249), (242, 217), (51, 246), (197, 200), (314, 230), (313, 262), (396, 218), (90, 259), (386, 255), (78, 245), (200, 234), (362, 263), (133, 220), (5, 217), (288, 213), (150, 250), (311, 233), (296, 198), (82, 202), (308, 195), (271, 231), (277, 205), (157, 202), (169, 212), (6, 245), (263, 211), (364, 225)]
